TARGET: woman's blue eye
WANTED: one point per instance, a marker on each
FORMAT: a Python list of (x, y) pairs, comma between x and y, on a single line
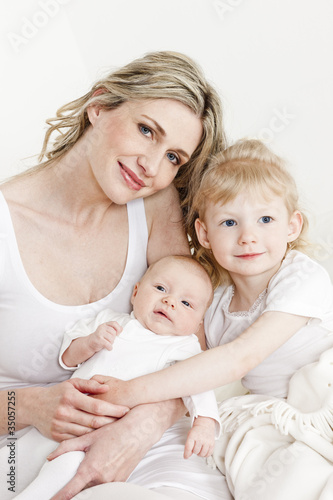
[(173, 158), (187, 304), (265, 219), (145, 130), (229, 223), (160, 288)]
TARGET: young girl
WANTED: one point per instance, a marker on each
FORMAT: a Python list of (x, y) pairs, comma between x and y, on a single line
[(273, 310)]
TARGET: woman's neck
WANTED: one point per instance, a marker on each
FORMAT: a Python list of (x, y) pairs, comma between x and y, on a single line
[(66, 189)]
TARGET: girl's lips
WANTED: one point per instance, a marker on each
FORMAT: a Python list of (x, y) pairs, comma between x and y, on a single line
[(249, 256), (132, 180)]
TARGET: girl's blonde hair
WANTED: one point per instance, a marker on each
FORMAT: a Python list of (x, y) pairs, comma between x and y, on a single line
[(157, 75), (247, 165)]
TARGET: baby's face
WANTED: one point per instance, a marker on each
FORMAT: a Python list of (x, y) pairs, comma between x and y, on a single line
[(172, 298)]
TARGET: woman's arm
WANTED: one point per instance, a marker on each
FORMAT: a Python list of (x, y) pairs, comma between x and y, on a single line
[(113, 452), (61, 411), (213, 368), (165, 225)]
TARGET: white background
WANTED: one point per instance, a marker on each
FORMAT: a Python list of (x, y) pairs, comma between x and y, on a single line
[(270, 60)]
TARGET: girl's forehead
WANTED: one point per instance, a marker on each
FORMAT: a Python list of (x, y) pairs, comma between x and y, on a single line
[(247, 200)]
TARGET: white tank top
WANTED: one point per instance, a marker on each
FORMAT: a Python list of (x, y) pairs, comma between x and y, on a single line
[(32, 327)]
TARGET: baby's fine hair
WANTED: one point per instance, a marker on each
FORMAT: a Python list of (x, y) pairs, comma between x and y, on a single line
[(246, 165), (157, 75)]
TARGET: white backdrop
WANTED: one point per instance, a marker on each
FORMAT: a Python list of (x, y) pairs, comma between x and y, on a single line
[(271, 61)]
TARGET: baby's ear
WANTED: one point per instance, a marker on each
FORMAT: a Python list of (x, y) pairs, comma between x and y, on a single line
[(201, 230), (135, 291), (295, 226)]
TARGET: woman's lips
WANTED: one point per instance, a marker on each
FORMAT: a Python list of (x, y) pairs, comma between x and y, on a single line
[(132, 180)]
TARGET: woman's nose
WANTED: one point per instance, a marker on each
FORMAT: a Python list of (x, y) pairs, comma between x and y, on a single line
[(150, 163)]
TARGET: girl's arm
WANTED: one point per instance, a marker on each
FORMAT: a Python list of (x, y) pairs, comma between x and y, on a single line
[(213, 368)]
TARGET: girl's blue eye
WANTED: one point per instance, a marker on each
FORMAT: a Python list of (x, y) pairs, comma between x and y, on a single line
[(145, 130), (265, 219), (187, 304), (229, 223), (160, 288), (173, 158)]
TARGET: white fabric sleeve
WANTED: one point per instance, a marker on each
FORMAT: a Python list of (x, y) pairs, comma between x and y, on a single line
[(85, 327), (301, 287), (203, 404)]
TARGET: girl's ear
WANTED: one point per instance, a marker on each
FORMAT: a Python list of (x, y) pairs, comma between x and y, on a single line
[(201, 230), (135, 291), (295, 226)]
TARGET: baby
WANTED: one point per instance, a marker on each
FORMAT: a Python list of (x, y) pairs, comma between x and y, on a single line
[(169, 304)]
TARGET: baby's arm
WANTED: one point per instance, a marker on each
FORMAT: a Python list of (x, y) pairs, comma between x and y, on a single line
[(201, 438), (83, 348), (213, 368)]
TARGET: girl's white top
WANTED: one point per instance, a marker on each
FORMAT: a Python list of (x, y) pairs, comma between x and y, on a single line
[(301, 287)]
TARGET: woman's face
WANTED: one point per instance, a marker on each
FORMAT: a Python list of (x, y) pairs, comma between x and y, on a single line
[(136, 149)]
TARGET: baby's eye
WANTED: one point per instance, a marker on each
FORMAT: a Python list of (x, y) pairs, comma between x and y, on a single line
[(187, 304), (265, 219), (160, 288), (229, 223), (145, 130), (173, 158)]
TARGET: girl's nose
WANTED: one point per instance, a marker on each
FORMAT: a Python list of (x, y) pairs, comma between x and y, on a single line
[(247, 235)]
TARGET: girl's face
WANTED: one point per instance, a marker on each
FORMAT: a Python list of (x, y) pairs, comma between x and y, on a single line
[(137, 148), (249, 237)]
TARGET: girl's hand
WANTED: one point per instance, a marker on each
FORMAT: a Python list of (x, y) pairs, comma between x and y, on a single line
[(64, 411), (104, 336), (120, 391)]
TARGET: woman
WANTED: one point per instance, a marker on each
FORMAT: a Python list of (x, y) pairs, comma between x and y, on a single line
[(77, 236)]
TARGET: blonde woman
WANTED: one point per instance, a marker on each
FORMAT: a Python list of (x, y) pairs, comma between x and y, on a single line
[(76, 237)]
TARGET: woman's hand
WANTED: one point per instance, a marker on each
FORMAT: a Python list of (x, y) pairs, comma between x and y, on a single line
[(113, 452), (64, 411)]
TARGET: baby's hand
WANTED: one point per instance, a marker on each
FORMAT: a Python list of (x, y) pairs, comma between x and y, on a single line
[(201, 438), (104, 336)]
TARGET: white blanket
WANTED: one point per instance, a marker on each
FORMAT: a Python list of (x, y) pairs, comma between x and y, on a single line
[(273, 449)]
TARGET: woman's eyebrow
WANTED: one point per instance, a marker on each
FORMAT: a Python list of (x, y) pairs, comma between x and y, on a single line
[(163, 133)]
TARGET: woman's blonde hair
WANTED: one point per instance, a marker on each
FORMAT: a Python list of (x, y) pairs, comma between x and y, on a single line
[(157, 75), (247, 165)]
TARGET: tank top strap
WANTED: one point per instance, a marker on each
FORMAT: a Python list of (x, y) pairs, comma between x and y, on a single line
[(138, 236)]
